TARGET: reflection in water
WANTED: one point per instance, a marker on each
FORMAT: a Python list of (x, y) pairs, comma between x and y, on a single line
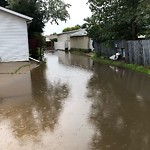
[(120, 109), (69, 103), (75, 60), (48, 99), (35, 113)]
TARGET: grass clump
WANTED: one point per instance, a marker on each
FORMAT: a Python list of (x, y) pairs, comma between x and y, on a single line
[(79, 51), (133, 67)]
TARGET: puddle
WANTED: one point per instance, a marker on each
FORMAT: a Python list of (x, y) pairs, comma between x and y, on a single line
[(71, 103)]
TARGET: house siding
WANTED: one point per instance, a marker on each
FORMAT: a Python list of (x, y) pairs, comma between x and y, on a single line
[(13, 38), (63, 40), (81, 42)]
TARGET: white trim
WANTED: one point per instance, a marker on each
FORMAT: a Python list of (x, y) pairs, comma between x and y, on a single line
[(81, 32), (68, 32), (16, 14), (34, 59)]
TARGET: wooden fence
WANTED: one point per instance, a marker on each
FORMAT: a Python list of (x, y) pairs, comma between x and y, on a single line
[(136, 52), (108, 49)]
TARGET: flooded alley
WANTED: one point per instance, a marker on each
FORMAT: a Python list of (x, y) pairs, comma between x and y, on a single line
[(73, 103)]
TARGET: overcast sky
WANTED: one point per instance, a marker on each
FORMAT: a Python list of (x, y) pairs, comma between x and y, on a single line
[(78, 11)]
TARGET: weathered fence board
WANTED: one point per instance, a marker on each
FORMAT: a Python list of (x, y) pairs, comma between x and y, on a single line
[(136, 52), (106, 49), (146, 52)]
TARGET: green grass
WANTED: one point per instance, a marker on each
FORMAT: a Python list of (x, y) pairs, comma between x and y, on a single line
[(79, 51), (16, 71), (133, 67)]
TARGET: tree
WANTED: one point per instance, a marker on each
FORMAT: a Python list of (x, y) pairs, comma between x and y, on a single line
[(84, 26), (3, 3), (41, 11), (71, 28), (31, 9), (94, 29), (119, 19)]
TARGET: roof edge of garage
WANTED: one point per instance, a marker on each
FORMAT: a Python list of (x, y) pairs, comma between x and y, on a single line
[(27, 18)]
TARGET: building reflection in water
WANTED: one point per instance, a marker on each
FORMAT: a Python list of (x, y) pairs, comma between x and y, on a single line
[(31, 105), (120, 109), (69, 59)]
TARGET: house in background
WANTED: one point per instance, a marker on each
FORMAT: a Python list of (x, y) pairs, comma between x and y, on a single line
[(13, 36), (80, 40), (77, 39), (50, 40), (63, 40)]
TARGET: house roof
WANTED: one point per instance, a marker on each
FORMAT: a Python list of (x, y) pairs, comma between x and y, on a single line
[(51, 36), (27, 18), (68, 32), (81, 32)]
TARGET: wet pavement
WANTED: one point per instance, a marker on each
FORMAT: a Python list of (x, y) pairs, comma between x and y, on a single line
[(11, 71), (72, 103)]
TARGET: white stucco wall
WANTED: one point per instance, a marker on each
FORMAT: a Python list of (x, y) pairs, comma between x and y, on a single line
[(91, 45), (13, 38), (81, 42), (62, 37), (59, 45), (65, 38)]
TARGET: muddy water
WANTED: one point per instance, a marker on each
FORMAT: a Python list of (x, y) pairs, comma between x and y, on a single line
[(71, 103)]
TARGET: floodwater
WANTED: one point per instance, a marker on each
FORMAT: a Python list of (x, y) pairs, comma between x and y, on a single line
[(72, 103)]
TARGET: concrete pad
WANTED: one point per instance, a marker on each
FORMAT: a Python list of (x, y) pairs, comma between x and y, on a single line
[(16, 67), (13, 70)]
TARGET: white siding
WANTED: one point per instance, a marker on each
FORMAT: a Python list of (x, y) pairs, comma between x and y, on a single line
[(13, 38), (91, 45), (80, 42), (59, 45), (65, 38)]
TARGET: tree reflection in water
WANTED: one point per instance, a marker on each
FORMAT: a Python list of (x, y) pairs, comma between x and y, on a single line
[(41, 110), (120, 115)]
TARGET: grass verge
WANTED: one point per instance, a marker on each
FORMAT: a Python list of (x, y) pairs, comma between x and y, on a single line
[(80, 51), (133, 67)]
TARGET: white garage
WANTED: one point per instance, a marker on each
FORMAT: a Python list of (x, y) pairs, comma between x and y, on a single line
[(13, 36)]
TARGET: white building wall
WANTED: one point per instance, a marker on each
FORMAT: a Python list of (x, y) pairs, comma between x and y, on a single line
[(13, 38), (61, 42), (65, 38), (59, 45), (91, 45), (62, 38), (79, 42)]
